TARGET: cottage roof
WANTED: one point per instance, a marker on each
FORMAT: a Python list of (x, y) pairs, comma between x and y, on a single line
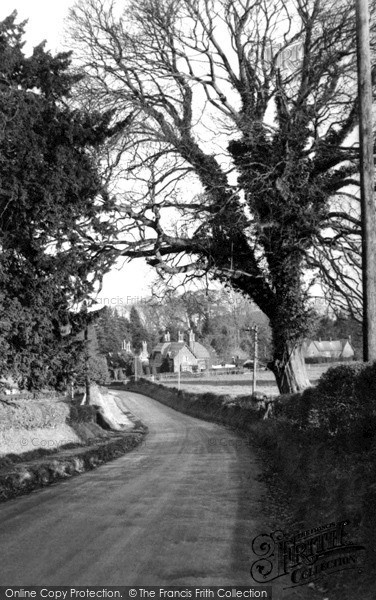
[(159, 347), (327, 347), (200, 351), (162, 349), (175, 347), (171, 348)]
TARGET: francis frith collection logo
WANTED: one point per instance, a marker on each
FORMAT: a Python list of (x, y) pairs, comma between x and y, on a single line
[(304, 556)]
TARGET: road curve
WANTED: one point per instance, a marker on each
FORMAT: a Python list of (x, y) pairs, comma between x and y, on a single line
[(182, 509)]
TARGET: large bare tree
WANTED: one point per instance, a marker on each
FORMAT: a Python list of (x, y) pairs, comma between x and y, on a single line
[(235, 158)]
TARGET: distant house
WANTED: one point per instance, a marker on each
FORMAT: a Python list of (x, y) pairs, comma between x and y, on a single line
[(328, 350), (121, 363), (144, 354), (236, 356), (203, 355), (168, 356), (126, 347)]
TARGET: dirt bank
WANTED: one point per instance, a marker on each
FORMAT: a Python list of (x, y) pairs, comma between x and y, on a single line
[(47, 439)]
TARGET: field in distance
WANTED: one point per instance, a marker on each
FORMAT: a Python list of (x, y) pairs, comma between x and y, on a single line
[(241, 383)]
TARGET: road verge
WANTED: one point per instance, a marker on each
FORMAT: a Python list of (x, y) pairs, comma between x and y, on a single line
[(47, 440)]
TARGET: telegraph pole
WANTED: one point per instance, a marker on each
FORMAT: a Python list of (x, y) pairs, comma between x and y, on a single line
[(87, 353), (255, 354), (255, 358), (367, 181)]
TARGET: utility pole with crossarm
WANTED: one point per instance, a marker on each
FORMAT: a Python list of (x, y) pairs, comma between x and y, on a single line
[(367, 181)]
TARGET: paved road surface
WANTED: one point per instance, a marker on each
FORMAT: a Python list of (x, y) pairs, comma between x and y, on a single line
[(180, 510)]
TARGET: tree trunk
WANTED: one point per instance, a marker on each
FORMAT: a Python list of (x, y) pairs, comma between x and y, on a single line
[(290, 370)]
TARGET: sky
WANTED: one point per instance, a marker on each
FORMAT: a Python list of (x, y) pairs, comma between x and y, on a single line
[(125, 284), (46, 19)]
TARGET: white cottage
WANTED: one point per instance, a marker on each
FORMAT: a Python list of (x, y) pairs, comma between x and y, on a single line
[(179, 356), (328, 350)]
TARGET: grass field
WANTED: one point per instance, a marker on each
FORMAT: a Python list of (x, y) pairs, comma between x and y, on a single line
[(241, 384)]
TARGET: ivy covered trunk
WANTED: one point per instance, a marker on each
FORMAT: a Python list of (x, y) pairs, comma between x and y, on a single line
[(290, 370), (290, 321)]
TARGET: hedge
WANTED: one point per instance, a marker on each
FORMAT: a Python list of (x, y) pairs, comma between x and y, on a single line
[(342, 404)]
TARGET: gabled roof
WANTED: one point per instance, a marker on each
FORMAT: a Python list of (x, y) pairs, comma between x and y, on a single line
[(200, 351), (175, 347), (171, 348), (160, 346), (327, 347)]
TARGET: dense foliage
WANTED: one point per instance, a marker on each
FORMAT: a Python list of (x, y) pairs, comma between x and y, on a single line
[(341, 327), (137, 330), (112, 330), (220, 319), (50, 193), (342, 405), (97, 370)]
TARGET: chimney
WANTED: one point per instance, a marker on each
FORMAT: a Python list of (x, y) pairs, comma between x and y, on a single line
[(144, 348), (167, 336), (180, 337), (128, 347), (191, 340)]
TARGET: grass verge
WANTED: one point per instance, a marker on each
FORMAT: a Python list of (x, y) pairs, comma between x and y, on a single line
[(28, 473)]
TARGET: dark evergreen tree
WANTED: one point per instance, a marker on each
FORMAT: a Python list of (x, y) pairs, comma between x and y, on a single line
[(112, 330), (51, 203), (137, 330)]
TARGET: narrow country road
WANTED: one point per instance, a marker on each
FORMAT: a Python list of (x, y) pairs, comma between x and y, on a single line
[(182, 509)]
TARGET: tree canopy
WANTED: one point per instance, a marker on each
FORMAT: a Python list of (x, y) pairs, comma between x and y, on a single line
[(50, 193), (237, 159), (137, 330), (112, 331)]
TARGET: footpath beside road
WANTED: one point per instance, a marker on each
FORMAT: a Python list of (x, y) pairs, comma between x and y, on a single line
[(181, 509)]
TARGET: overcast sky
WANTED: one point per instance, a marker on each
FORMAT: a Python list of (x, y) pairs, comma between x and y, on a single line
[(46, 19), (46, 22)]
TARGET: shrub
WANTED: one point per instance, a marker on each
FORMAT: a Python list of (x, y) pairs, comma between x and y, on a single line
[(366, 386), (339, 401), (342, 403), (296, 408), (98, 370)]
